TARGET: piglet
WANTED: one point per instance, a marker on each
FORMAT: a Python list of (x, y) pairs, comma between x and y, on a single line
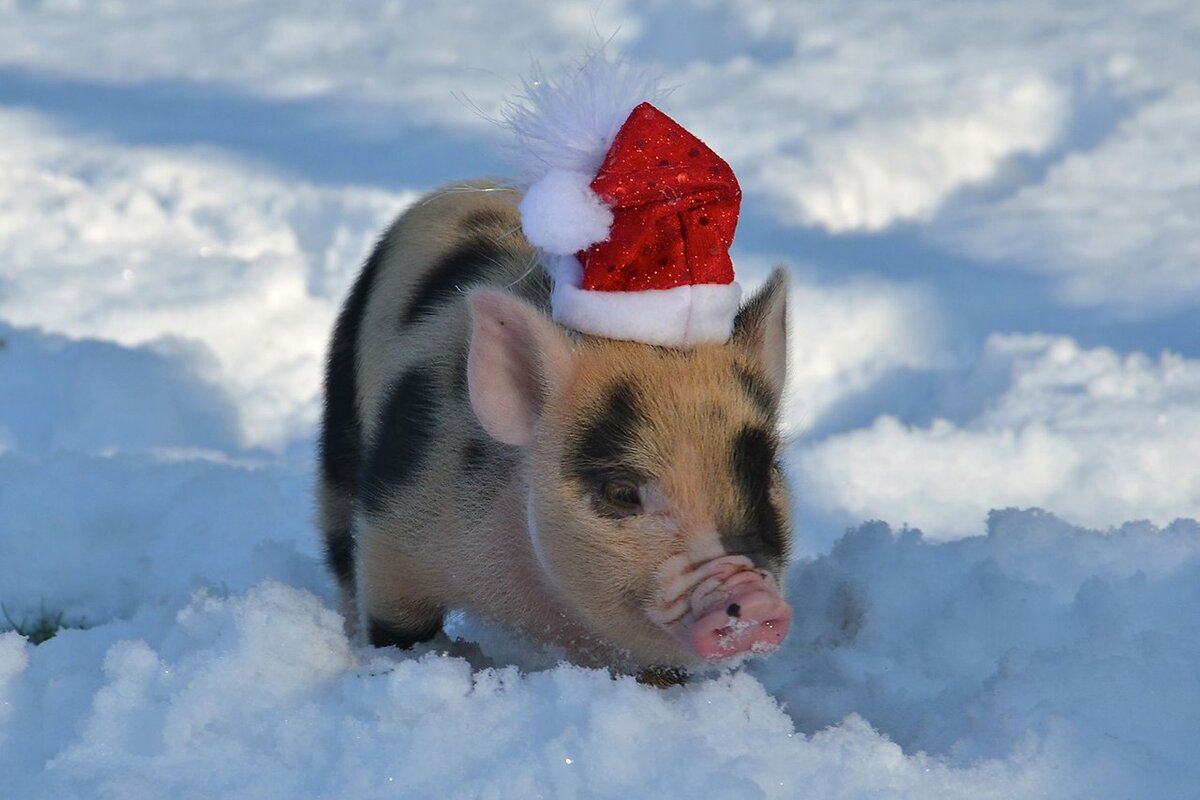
[(622, 501)]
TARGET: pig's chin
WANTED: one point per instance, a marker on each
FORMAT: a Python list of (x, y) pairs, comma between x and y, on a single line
[(723, 609)]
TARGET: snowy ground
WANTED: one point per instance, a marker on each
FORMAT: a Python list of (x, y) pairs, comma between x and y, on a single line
[(991, 215)]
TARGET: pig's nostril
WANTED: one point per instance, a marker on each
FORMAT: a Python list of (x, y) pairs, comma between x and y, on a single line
[(734, 610)]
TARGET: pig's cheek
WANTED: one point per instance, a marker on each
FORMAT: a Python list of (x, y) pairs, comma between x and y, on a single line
[(559, 540), (582, 554), (655, 501)]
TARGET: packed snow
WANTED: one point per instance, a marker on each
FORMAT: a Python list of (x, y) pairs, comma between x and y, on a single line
[(989, 213)]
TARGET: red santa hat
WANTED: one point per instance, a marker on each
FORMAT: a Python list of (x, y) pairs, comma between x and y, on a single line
[(632, 214)]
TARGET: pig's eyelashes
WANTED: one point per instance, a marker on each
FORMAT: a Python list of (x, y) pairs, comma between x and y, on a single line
[(619, 497)]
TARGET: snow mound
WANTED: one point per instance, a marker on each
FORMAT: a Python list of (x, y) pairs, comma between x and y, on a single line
[(1087, 433), (90, 396), (1037, 629), (1000, 678), (97, 537)]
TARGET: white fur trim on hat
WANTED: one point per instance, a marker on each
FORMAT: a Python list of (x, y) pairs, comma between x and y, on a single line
[(682, 316)]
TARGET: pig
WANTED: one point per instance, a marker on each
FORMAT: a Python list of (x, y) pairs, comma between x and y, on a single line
[(620, 501)]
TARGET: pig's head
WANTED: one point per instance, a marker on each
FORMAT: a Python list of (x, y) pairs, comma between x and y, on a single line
[(656, 507)]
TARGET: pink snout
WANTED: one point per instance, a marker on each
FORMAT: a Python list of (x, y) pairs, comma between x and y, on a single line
[(724, 608), (754, 620)]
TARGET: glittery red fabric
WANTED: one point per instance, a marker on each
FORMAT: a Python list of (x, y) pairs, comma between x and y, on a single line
[(675, 207)]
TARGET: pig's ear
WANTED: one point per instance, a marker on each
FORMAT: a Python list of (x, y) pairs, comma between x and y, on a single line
[(517, 357), (761, 327)]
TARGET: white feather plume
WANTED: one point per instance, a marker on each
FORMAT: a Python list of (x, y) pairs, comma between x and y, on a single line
[(569, 122)]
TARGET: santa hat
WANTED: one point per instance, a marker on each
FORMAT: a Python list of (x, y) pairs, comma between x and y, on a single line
[(632, 214)]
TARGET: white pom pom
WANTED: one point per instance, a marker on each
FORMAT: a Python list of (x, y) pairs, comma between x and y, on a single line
[(562, 215)]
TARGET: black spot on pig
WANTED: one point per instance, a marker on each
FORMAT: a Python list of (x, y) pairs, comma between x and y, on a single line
[(756, 388), (341, 427), (602, 458), (758, 531), (339, 555), (489, 221), (405, 436), (607, 438), (458, 270)]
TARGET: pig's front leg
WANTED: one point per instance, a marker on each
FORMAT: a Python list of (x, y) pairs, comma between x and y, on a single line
[(395, 609)]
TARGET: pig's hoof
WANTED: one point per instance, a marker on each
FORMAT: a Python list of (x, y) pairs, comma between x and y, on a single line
[(662, 677), (390, 634)]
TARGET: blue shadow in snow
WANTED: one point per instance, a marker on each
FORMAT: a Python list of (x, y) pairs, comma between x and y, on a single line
[(976, 297), (320, 140)]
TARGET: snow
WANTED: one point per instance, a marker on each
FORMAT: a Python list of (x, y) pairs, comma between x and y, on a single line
[(1129, 199), (1036, 421), (849, 336), (1001, 678), (184, 244), (989, 219)]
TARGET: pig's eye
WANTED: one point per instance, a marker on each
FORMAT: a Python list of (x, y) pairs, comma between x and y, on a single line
[(621, 496)]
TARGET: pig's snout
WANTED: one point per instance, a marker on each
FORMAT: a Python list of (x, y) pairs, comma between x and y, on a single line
[(728, 608), (750, 621)]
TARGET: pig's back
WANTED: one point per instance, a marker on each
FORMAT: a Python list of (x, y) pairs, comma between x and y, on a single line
[(416, 315), (399, 442)]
